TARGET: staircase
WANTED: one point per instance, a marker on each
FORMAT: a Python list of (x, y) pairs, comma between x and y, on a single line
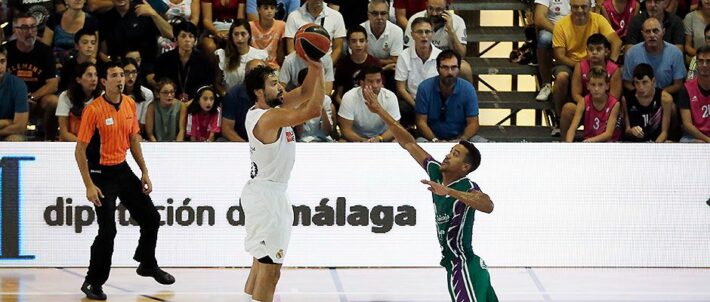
[(470, 11)]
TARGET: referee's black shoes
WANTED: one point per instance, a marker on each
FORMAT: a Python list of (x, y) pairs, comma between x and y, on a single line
[(158, 274), (93, 292)]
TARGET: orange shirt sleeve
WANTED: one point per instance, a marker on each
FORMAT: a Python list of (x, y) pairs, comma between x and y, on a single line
[(88, 125)]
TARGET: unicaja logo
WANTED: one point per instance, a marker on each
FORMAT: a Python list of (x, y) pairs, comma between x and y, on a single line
[(10, 203)]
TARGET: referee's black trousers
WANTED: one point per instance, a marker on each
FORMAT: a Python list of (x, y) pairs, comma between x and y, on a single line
[(119, 181)]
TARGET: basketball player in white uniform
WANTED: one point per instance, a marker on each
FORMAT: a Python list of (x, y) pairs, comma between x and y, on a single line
[(272, 142)]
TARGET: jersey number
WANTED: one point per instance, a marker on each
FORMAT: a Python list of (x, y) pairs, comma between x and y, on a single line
[(596, 123), (254, 170), (706, 111)]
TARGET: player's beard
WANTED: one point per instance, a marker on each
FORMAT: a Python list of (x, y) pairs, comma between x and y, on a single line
[(276, 101)]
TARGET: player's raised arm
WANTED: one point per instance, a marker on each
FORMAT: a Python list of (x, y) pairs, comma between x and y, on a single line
[(272, 94), (401, 135)]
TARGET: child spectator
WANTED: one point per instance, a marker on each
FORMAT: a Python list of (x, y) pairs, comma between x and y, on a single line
[(647, 109), (599, 110), (200, 120), (162, 117), (268, 32)]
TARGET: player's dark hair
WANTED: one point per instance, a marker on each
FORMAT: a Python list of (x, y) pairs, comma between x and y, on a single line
[(473, 157), (256, 79), (598, 39)]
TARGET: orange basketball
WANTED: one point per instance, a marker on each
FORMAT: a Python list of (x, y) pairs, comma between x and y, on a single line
[(312, 41)]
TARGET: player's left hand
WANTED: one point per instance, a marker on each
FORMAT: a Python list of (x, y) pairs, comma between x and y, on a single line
[(146, 184), (436, 188)]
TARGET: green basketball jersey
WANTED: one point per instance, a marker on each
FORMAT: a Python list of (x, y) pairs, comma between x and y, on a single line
[(454, 219)]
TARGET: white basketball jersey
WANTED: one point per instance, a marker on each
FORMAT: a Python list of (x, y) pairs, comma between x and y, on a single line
[(272, 162)]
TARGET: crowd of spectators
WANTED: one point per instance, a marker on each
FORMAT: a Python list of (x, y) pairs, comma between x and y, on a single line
[(625, 70)]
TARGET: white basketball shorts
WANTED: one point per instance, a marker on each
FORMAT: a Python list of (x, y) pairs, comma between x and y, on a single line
[(268, 219)]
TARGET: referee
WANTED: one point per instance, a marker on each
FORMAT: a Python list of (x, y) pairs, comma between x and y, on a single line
[(109, 127)]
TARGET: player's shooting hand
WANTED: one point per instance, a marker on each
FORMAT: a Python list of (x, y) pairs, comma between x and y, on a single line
[(146, 184), (313, 63), (436, 188), (145, 10), (93, 194)]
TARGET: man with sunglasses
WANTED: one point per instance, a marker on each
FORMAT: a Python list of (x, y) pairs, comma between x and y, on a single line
[(447, 106)]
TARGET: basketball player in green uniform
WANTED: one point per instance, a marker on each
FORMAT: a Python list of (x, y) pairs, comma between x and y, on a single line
[(456, 198)]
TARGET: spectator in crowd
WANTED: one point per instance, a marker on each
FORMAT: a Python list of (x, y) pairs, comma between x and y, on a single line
[(293, 64), (134, 88), (667, 61), (13, 103), (59, 34), (447, 106), (268, 33), (162, 121), (449, 32), (42, 10), (85, 43), (186, 10), (179, 11), (693, 67), (130, 26), (33, 63), (672, 25), (694, 24), (186, 66), (600, 111), (355, 10), (83, 89), (681, 7), (314, 11), (547, 14), (569, 46), (235, 107), (415, 65), (647, 109), (385, 40), (349, 67), (359, 124), (619, 14), (283, 9), (200, 120), (217, 18), (405, 9), (233, 59), (317, 129), (598, 49), (694, 101)]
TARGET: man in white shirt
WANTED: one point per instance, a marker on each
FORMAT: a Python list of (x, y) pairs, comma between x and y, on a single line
[(359, 124), (315, 11), (449, 32), (414, 65), (547, 13), (384, 39)]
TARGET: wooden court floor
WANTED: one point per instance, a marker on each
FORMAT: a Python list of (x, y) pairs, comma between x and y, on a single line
[(365, 285)]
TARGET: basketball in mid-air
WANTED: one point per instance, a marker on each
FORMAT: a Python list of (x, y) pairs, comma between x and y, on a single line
[(312, 41)]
